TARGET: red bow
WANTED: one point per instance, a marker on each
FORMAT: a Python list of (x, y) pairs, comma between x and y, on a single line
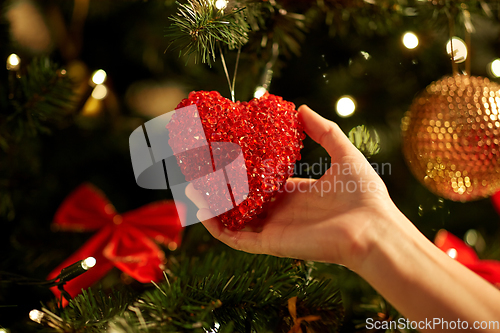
[(123, 240), (461, 252)]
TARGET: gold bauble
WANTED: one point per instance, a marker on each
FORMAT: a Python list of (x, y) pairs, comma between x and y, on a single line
[(451, 137)]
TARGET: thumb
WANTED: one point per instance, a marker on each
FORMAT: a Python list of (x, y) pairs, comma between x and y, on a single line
[(327, 133)]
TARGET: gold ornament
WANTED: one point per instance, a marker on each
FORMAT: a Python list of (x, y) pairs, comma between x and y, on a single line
[(451, 137)]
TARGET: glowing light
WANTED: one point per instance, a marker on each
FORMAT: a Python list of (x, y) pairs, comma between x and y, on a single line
[(459, 49), (259, 92), (4, 330), (100, 91), (410, 40), (365, 55), (88, 263), (99, 76), (221, 4), (495, 67), (36, 316), (471, 237), (345, 106), (13, 62), (452, 253)]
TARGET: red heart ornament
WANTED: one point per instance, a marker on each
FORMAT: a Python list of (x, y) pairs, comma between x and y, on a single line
[(270, 136)]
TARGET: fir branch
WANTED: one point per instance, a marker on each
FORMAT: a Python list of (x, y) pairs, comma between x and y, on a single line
[(361, 138), (41, 96), (199, 26), (237, 292), (87, 312)]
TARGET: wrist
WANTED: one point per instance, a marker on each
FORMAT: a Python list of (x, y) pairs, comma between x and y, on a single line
[(389, 241)]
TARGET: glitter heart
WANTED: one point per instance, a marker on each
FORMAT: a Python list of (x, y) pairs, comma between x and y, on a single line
[(269, 134)]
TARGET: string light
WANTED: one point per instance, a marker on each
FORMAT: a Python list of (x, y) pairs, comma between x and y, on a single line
[(78, 268), (452, 253), (259, 92), (410, 40), (36, 316), (459, 49), (346, 106), (88, 263), (4, 330), (99, 77), (13, 62), (221, 4), (495, 68), (100, 91)]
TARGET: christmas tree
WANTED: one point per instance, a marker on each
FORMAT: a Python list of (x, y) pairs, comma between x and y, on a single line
[(81, 76)]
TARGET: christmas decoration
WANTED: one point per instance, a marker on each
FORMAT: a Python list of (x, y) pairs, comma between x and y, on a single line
[(267, 130), (126, 241), (292, 308), (451, 137), (458, 250), (50, 142)]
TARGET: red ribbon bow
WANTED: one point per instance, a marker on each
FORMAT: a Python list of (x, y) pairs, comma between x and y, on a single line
[(123, 240), (464, 254)]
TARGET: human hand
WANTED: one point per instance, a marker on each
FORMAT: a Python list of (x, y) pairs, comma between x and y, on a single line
[(334, 219)]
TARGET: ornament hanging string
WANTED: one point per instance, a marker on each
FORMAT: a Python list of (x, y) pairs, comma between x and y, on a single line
[(451, 28), (469, 28), (231, 85), (235, 72)]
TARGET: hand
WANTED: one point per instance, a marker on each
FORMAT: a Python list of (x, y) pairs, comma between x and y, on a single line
[(333, 219), (362, 229)]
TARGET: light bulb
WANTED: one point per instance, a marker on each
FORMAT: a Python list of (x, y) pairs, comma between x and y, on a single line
[(459, 49), (36, 316), (13, 62), (410, 40), (345, 106), (220, 4), (452, 253), (99, 76), (88, 263), (259, 92)]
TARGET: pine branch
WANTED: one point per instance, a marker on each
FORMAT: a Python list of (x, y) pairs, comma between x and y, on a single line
[(198, 27), (88, 312), (41, 96), (227, 292), (361, 137), (243, 291)]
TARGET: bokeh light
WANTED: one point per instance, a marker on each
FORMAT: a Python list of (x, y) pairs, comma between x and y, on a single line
[(459, 49), (259, 92), (13, 62), (100, 91), (452, 253), (346, 106), (99, 76), (410, 40), (220, 4), (495, 68)]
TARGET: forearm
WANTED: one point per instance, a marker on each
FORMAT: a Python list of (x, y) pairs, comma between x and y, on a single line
[(421, 281)]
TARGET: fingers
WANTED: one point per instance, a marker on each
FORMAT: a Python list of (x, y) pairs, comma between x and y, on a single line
[(240, 240), (196, 197), (325, 132)]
